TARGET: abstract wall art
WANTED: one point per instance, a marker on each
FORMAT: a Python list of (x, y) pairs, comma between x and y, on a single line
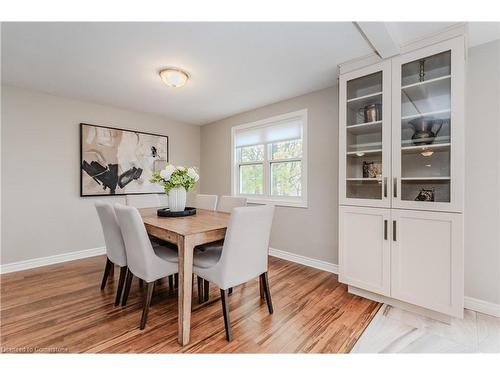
[(118, 161)]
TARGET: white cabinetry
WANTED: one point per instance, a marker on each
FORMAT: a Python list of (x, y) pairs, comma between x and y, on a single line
[(401, 177), (427, 259), (365, 248)]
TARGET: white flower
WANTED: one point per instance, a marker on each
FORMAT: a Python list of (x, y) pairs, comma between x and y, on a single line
[(181, 168), (167, 172), (192, 173)]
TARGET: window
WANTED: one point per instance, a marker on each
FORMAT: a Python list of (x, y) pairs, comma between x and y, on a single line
[(269, 160)]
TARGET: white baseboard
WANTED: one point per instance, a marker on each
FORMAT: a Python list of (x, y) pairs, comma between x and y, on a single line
[(482, 306), (306, 261), (60, 258)]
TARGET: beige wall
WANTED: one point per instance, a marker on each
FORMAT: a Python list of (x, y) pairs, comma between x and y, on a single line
[(311, 231), (482, 173), (42, 213)]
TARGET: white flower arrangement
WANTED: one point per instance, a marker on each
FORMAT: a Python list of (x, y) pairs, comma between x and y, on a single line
[(173, 177)]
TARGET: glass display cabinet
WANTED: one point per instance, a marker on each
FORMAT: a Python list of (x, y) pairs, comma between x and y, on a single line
[(401, 179), (401, 131), (427, 106), (365, 136)]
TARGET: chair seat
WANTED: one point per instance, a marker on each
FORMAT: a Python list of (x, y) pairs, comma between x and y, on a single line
[(166, 253), (157, 242), (208, 257), (210, 245)]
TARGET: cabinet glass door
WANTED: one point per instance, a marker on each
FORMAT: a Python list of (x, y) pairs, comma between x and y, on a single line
[(425, 129), (363, 136)]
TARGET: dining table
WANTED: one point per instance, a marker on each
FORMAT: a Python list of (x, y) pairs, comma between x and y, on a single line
[(186, 232)]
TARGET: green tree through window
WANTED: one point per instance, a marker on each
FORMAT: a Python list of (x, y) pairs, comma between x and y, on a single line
[(269, 160)]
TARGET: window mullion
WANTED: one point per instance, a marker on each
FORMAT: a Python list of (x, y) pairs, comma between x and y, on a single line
[(267, 170)]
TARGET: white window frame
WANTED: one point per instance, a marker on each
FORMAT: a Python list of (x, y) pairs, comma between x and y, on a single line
[(266, 197)]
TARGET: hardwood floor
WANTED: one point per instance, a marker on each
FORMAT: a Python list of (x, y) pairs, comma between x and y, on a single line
[(60, 308)]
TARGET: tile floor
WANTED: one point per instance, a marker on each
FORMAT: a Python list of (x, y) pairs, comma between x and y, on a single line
[(394, 330)]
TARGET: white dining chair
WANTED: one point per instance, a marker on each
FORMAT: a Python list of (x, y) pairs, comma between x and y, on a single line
[(226, 203), (148, 201), (143, 200), (144, 262), (244, 255), (115, 247), (206, 202)]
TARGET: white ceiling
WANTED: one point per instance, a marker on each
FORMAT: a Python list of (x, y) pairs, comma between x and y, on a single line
[(234, 66), (479, 32)]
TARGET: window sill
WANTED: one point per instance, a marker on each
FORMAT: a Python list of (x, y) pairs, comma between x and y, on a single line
[(277, 202)]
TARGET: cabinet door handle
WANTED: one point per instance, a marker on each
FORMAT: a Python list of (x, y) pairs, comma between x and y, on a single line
[(385, 229), (385, 187), (394, 230), (395, 187)]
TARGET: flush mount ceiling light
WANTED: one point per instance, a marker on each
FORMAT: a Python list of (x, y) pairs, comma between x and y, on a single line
[(174, 77)]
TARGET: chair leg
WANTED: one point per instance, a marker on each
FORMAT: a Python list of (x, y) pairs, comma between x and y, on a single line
[(121, 280), (265, 282), (147, 302), (126, 291), (176, 281), (170, 284), (201, 294), (261, 288), (107, 269), (225, 311), (206, 290)]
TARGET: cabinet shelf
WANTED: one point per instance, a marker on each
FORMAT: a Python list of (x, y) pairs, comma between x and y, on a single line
[(355, 104), (427, 91), (364, 152), (423, 83), (417, 149), (425, 178), (436, 114), (364, 97), (439, 140), (365, 128), (368, 179)]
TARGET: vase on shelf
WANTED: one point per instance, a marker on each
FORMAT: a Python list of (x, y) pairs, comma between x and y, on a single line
[(177, 199)]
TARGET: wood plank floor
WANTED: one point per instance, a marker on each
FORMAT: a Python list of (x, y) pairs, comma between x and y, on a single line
[(60, 308)]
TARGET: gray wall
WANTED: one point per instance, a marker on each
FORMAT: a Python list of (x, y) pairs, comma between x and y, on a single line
[(312, 232), (482, 173), (40, 130), (42, 213)]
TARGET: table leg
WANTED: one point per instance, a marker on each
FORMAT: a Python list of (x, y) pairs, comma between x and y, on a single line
[(185, 247)]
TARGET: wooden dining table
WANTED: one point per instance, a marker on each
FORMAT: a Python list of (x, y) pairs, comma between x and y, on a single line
[(186, 232)]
